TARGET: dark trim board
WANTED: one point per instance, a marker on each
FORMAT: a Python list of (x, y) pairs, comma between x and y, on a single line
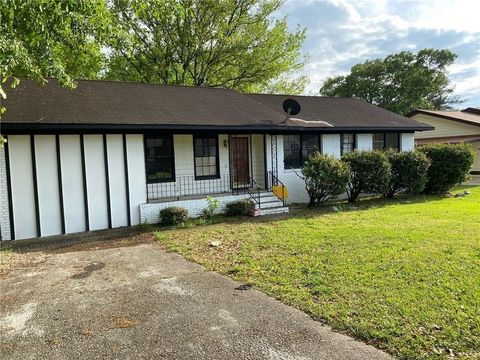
[(35, 128), (84, 178), (60, 182), (35, 186), (9, 192)]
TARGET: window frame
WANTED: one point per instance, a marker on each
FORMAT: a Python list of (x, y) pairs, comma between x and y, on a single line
[(384, 147), (217, 157), (354, 142), (172, 160), (302, 158)]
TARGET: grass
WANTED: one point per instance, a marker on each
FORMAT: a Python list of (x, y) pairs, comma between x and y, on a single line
[(403, 274)]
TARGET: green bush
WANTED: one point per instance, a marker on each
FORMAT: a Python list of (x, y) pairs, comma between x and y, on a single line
[(450, 165), (408, 172), (238, 207), (324, 177), (213, 205), (369, 173), (173, 215)]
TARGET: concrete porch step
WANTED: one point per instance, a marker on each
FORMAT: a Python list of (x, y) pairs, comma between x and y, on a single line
[(275, 210)]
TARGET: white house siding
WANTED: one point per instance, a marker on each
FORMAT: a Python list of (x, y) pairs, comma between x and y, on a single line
[(331, 144), (444, 127), (136, 175), (96, 182), (49, 191), (364, 142), (116, 170), (22, 186), (407, 141), (72, 183)]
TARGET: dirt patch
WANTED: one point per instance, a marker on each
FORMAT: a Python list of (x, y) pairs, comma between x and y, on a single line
[(89, 269)]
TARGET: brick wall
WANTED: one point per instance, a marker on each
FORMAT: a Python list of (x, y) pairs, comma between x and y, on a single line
[(149, 212), (4, 215)]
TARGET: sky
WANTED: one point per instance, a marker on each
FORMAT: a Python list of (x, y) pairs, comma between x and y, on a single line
[(341, 33)]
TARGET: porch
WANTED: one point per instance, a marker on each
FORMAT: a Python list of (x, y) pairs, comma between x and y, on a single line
[(184, 169)]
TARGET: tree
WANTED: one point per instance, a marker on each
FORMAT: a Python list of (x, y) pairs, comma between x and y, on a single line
[(401, 82), (50, 38), (220, 43)]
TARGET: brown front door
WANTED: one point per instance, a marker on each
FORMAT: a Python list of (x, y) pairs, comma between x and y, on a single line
[(240, 164)]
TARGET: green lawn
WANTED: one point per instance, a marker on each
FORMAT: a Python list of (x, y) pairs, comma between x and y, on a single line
[(403, 275)]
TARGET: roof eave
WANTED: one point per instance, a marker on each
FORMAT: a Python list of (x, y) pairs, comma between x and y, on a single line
[(55, 128)]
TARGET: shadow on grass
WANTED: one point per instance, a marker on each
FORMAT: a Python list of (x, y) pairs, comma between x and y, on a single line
[(143, 233)]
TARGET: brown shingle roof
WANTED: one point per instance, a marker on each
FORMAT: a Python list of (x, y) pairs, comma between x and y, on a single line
[(468, 116), (341, 112), (103, 105)]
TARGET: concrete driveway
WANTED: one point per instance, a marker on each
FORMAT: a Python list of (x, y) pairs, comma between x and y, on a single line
[(141, 302)]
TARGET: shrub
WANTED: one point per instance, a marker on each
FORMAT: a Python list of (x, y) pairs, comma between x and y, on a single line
[(213, 205), (173, 215), (369, 173), (450, 165), (238, 207), (408, 172), (324, 177)]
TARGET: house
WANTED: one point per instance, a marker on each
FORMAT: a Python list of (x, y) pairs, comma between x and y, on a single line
[(451, 127), (111, 154)]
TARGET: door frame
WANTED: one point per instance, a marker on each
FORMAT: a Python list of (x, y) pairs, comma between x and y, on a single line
[(234, 185)]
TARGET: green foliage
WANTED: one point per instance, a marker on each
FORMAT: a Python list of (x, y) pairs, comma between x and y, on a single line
[(401, 82), (324, 177), (238, 207), (50, 38), (409, 172), (173, 215), (369, 173), (450, 166), (222, 43), (213, 205)]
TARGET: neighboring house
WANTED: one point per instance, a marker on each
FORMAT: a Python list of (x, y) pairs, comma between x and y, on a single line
[(451, 127), (111, 154)]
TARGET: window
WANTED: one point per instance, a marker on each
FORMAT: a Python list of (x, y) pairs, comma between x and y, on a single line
[(383, 141), (205, 150), (297, 148), (159, 162), (291, 151), (379, 141), (310, 144), (392, 141), (347, 143)]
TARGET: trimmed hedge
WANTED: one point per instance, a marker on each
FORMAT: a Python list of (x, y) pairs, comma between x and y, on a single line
[(450, 166), (173, 215), (325, 176), (238, 207), (408, 172), (369, 173)]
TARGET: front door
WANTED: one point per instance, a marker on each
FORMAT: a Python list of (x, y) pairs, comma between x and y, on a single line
[(240, 162)]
